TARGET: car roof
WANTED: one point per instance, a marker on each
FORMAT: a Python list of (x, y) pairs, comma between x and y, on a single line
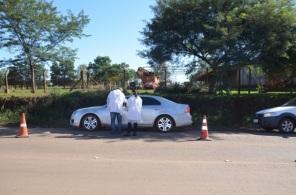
[(153, 96)]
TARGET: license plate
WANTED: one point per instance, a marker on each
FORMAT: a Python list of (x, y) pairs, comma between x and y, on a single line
[(255, 120)]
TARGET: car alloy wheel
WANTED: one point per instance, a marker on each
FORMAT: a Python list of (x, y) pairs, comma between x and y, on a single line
[(90, 122), (164, 124), (287, 125)]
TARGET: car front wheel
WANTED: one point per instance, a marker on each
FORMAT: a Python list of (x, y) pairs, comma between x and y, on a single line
[(90, 122), (164, 123), (287, 125)]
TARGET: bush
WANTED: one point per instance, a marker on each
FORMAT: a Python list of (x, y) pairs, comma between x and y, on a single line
[(177, 88), (169, 89), (49, 110), (55, 111), (229, 110)]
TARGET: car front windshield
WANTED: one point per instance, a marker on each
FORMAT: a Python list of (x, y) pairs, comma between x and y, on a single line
[(292, 102)]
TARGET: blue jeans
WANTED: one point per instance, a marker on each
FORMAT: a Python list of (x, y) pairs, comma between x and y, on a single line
[(115, 129)]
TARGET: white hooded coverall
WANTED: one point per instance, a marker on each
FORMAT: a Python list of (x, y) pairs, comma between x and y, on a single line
[(134, 106), (115, 101)]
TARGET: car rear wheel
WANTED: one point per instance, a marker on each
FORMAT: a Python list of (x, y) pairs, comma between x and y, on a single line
[(90, 122), (287, 125), (164, 123)]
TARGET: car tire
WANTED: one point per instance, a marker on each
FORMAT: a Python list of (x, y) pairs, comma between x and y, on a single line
[(287, 125), (90, 122), (164, 123)]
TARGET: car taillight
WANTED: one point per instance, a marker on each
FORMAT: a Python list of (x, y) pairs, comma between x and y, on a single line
[(187, 109)]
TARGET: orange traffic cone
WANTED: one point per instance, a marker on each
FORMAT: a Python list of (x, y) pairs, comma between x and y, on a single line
[(204, 130), (23, 133)]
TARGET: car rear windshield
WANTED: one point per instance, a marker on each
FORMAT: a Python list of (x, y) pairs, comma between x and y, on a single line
[(292, 102)]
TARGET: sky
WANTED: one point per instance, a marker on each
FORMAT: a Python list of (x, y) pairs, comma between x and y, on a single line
[(114, 30), (114, 27)]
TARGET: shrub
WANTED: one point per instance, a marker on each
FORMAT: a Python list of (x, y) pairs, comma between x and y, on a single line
[(49, 110), (55, 110), (229, 110)]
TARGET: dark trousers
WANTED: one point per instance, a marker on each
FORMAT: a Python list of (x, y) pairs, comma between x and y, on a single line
[(133, 129)]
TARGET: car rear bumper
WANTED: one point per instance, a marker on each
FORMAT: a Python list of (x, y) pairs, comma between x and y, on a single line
[(183, 120)]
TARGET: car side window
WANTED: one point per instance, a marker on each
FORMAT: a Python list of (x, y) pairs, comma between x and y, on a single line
[(148, 101)]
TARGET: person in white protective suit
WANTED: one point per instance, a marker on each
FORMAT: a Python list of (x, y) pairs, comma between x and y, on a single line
[(134, 106), (115, 102)]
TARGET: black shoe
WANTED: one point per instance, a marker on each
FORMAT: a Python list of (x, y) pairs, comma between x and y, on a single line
[(126, 134), (134, 134)]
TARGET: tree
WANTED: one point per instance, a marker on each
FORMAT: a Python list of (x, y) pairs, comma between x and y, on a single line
[(62, 73), (269, 30), (55, 73), (99, 68), (62, 70), (131, 74), (104, 71), (220, 33), (121, 73), (17, 75), (36, 31)]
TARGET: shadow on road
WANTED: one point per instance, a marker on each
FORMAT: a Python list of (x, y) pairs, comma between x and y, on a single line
[(254, 131), (147, 134)]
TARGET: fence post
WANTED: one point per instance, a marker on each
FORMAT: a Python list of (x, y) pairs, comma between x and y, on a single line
[(6, 81), (87, 79), (124, 78), (239, 81), (165, 76), (250, 80), (44, 77)]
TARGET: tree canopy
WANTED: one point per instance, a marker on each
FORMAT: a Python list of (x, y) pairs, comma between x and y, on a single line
[(222, 33), (36, 32), (62, 73), (104, 71)]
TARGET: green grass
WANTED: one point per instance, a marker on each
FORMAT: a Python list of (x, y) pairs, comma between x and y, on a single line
[(40, 92), (63, 91), (142, 91), (56, 91)]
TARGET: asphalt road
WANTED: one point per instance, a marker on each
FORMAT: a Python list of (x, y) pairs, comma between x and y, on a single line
[(66, 161)]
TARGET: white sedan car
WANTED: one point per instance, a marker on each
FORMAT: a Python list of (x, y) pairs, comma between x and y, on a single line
[(157, 112)]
